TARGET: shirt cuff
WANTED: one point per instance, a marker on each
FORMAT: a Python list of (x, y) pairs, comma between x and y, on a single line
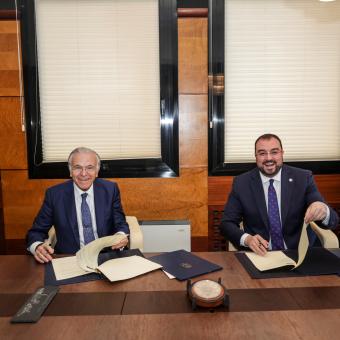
[(325, 221), (242, 239), (34, 246)]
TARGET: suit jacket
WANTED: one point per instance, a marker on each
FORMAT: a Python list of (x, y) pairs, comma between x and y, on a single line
[(247, 203), (59, 209)]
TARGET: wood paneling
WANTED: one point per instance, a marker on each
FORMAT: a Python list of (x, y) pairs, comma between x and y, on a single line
[(329, 186), (193, 53), (9, 65), (8, 27), (193, 120), (192, 12), (22, 199), (12, 138), (9, 83), (219, 188), (184, 197), (2, 224)]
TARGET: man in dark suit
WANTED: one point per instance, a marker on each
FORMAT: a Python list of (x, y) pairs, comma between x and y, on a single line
[(273, 201), (81, 210)]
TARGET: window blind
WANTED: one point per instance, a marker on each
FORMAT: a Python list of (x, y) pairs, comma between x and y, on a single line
[(282, 75), (99, 77)]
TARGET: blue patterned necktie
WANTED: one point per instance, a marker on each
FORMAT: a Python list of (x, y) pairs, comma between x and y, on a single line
[(86, 219), (274, 219)]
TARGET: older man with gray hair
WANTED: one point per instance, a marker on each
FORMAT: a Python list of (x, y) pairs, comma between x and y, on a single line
[(81, 210)]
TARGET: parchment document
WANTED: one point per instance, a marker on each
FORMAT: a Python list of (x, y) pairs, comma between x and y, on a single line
[(67, 267), (127, 267), (86, 261), (276, 259)]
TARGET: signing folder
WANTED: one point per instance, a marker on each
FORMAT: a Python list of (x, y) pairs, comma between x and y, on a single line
[(50, 277), (318, 261), (184, 265)]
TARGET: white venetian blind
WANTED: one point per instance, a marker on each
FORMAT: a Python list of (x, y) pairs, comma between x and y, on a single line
[(99, 77), (282, 75)]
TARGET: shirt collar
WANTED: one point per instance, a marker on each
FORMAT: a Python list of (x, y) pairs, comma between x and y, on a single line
[(266, 179), (78, 191)]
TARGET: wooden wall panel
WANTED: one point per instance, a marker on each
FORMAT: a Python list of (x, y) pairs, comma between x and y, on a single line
[(193, 121), (219, 188), (9, 65), (329, 186), (193, 53), (184, 197), (12, 138), (22, 199)]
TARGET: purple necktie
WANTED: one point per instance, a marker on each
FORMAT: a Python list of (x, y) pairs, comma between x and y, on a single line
[(274, 219), (86, 219)]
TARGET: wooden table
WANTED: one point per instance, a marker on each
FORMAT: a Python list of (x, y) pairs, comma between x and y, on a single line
[(154, 307)]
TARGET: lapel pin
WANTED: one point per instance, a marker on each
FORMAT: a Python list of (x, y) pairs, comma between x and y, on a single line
[(290, 180)]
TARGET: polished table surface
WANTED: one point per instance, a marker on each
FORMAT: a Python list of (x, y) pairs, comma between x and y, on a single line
[(153, 307)]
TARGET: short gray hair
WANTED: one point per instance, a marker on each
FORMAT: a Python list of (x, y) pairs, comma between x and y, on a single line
[(82, 149)]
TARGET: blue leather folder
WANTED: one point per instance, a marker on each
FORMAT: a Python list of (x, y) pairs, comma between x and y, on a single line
[(318, 261), (184, 265)]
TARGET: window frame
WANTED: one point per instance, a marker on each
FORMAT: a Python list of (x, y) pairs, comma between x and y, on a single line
[(167, 165), (216, 164)]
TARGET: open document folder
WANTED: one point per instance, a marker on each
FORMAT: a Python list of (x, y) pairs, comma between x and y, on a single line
[(86, 261), (277, 259)]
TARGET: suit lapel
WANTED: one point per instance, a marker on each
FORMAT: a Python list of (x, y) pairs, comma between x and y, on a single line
[(99, 207), (287, 185), (70, 210), (258, 194)]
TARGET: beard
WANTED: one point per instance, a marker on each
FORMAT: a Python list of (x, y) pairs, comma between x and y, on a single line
[(270, 168)]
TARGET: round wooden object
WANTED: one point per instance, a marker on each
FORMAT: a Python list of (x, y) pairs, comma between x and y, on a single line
[(207, 293)]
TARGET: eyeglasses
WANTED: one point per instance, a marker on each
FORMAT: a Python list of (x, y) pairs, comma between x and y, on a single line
[(273, 153), (88, 169)]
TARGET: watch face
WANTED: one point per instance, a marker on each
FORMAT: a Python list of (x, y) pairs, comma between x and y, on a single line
[(207, 290)]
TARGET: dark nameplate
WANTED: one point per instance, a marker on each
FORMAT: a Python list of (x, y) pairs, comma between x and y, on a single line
[(35, 306)]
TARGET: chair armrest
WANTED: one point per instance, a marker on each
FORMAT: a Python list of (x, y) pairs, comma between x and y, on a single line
[(136, 235), (230, 246)]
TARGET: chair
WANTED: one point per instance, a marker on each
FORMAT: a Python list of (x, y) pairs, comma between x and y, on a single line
[(136, 235), (230, 246)]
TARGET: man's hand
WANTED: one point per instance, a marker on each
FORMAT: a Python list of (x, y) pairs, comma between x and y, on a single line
[(121, 244), (257, 244), (43, 253), (317, 211)]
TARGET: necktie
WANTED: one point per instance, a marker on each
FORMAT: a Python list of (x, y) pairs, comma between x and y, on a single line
[(86, 219), (274, 218)]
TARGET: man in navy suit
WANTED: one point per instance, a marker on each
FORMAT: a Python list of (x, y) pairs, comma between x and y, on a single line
[(81, 209), (298, 201)]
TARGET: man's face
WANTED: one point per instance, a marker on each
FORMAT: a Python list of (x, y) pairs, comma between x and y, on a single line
[(84, 169), (269, 156)]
